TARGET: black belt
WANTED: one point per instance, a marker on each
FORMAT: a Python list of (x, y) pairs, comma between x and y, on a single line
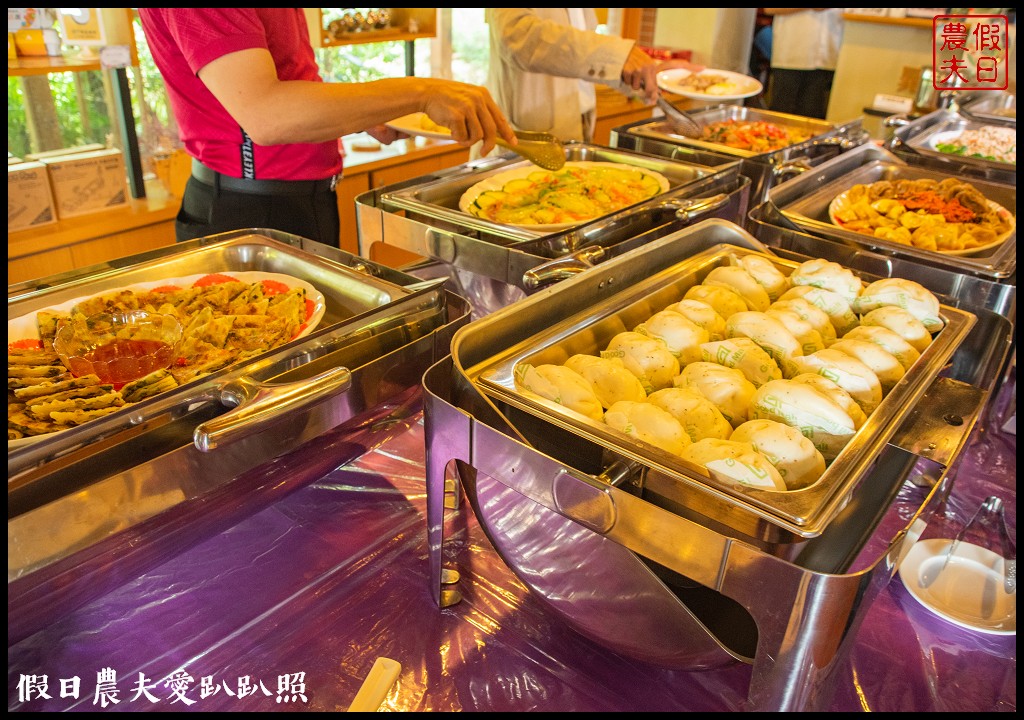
[(261, 187)]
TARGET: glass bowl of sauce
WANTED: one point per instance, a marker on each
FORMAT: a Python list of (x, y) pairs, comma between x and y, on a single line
[(118, 347)]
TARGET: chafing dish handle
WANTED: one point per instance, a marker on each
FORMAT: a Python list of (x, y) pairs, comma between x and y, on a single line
[(561, 268), (258, 404)]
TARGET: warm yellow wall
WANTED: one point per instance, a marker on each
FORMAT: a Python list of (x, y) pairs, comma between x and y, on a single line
[(871, 59), (688, 29)]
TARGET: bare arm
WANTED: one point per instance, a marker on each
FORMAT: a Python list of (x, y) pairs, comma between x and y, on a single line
[(275, 112)]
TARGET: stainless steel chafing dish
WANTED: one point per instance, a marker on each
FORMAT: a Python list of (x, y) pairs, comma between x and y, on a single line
[(990, 106), (764, 169), (91, 507), (494, 264), (912, 140), (803, 203), (661, 575)]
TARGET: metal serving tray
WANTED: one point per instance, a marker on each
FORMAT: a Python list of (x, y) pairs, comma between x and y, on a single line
[(804, 201), (439, 199), (755, 513), (91, 507), (494, 265), (911, 141), (675, 589), (655, 137), (816, 129)]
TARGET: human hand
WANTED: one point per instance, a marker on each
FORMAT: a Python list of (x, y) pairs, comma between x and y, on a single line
[(468, 111), (640, 73)]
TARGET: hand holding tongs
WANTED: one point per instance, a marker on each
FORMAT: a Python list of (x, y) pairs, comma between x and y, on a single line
[(987, 524), (540, 148)]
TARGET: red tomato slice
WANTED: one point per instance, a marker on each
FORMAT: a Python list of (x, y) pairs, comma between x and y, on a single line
[(213, 279), (26, 344), (310, 308), (166, 288), (273, 287)]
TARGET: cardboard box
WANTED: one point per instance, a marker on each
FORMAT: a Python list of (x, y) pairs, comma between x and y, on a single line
[(29, 200), (49, 154), (88, 182)]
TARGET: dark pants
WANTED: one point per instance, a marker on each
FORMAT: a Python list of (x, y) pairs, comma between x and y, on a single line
[(800, 92), (208, 210)]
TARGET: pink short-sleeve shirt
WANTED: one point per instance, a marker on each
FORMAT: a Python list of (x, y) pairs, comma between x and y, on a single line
[(183, 40)]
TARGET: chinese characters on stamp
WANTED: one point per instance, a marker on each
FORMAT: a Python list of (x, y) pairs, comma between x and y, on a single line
[(969, 52)]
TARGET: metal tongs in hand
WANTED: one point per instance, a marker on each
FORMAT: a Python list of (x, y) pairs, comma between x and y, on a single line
[(540, 148), (988, 527), (680, 122)]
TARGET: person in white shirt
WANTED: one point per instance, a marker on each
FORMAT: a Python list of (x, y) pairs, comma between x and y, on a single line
[(805, 48), (545, 63)]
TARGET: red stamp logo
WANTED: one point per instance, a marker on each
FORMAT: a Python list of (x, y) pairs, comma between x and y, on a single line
[(969, 52)]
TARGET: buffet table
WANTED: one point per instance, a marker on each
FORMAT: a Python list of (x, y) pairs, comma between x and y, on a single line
[(289, 609)]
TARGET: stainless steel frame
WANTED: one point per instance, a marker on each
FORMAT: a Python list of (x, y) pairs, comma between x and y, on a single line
[(997, 107), (648, 582)]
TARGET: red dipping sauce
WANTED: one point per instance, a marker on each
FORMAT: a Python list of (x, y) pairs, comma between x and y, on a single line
[(123, 361)]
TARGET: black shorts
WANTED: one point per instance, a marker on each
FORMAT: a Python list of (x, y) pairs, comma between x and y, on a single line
[(210, 209)]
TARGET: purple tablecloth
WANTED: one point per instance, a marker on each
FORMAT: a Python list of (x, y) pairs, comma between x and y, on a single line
[(297, 601)]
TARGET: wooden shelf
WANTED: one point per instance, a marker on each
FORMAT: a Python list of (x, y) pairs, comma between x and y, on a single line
[(425, 20), (23, 66), (881, 20)]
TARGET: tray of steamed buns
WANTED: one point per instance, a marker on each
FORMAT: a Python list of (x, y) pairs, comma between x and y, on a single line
[(755, 383)]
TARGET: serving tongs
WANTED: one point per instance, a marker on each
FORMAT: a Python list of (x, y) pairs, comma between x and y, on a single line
[(540, 148), (680, 122)]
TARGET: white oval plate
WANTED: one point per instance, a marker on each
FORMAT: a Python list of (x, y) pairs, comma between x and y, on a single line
[(968, 592), (839, 199), (496, 182), (413, 125), (739, 86), (24, 327)]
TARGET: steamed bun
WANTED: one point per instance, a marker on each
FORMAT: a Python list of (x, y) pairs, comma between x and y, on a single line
[(561, 385), (746, 356), (681, 336), (836, 394), (810, 313), (810, 339), (763, 270), (907, 294), (610, 379), (648, 423), (902, 322), (767, 332), (883, 363), (727, 388), (735, 462), (698, 415), (702, 314), (649, 359), (799, 463), (739, 280), (724, 300), (847, 372), (886, 339), (799, 405), (835, 305), (829, 276)]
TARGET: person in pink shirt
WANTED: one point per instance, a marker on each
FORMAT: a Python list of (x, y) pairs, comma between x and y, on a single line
[(262, 126)]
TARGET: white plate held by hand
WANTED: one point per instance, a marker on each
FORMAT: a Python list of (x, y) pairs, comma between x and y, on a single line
[(733, 86), (968, 592), (419, 124)]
